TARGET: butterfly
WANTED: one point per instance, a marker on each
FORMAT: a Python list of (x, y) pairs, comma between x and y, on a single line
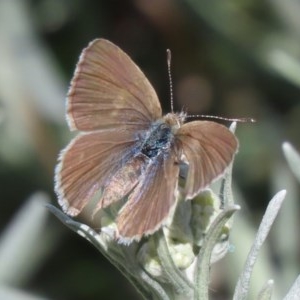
[(127, 148)]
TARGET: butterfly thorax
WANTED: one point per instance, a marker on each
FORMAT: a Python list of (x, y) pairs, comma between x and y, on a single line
[(160, 138), (161, 135)]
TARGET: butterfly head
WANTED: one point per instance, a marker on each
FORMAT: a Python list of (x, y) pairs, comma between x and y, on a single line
[(175, 120)]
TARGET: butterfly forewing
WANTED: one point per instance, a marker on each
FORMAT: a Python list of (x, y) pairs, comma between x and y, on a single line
[(87, 163), (109, 91), (151, 201), (209, 148)]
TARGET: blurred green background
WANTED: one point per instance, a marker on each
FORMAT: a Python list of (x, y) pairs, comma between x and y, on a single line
[(229, 58)]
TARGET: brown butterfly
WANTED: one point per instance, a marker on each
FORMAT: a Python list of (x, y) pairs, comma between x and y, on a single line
[(127, 148)]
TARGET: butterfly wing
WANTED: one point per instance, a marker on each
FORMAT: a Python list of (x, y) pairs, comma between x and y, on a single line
[(209, 148), (151, 201), (87, 163), (108, 90)]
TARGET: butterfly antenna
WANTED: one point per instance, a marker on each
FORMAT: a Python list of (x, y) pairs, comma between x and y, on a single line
[(241, 120), (169, 57)]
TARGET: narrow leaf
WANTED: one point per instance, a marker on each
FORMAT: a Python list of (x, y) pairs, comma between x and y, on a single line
[(242, 286), (294, 292), (293, 158), (266, 291), (203, 260)]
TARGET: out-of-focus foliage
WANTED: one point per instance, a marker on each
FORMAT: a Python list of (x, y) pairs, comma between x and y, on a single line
[(229, 58)]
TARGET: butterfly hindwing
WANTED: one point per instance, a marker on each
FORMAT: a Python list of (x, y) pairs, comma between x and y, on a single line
[(151, 201), (209, 148)]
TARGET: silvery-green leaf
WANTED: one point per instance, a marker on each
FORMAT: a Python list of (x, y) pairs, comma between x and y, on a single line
[(203, 261), (9, 293), (294, 291), (242, 286), (293, 158), (176, 277), (25, 229), (266, 291)]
